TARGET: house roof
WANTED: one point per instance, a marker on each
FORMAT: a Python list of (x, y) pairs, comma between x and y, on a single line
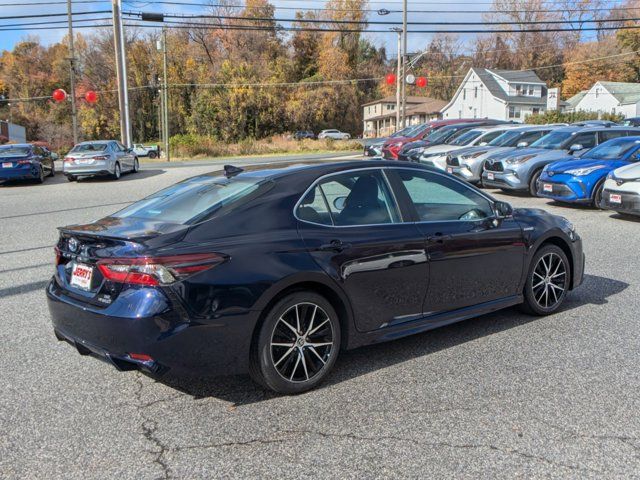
[(392, 99), (624, 92), (573, 101), (496, 90), (524, 76)]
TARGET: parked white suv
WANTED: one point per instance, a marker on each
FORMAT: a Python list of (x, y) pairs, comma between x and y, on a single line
[(621, 191), (334, 134)]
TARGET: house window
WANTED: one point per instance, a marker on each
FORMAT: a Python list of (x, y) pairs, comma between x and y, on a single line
[(531, 90), (597, 92), (535, 110), (464, 93), (514, 111), (475, 92), (518, 89)]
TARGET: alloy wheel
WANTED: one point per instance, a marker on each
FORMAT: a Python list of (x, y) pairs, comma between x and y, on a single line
[(549, 280), (302, 342)]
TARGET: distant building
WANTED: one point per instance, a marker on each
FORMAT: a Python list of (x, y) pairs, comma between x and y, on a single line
[(498, 94), (380, 115), (609, 97), (12, 132)]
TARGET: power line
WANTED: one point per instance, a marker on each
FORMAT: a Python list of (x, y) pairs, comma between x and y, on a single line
[(379, 22), (52, 22), (45, 15)]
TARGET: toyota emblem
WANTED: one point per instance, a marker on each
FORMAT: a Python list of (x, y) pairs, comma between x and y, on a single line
[(73, 245)]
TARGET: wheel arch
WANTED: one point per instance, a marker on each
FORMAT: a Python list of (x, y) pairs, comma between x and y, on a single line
[(317, 284), (561, 243)]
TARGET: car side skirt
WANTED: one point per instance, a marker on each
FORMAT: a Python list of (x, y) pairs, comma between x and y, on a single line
[(430, 322)]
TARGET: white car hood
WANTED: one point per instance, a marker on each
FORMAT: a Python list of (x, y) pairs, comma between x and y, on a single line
[(628, 172)]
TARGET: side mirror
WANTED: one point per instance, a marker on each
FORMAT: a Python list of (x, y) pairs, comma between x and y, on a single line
[(576, 147), (522, 144), (483, 144), (339, 203), (502, 209)]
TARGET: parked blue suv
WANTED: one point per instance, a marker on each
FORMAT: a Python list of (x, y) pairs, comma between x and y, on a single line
[(521, 169), (582, 181)]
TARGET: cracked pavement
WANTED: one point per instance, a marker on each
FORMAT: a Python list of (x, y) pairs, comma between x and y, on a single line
[(502, 396)]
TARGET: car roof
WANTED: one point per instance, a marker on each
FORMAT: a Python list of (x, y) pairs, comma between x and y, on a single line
[(16, 145), (93, 142), (576, 128)]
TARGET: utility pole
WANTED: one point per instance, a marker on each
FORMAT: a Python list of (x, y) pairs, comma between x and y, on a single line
[(165, 94), (398, 78), (121, 71), (404, 62), (72, 75)]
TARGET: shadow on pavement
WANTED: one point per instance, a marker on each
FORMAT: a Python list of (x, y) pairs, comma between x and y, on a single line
[(126, 177), (354, 363)]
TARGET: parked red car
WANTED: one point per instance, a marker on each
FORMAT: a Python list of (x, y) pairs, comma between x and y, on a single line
[(392, 147)]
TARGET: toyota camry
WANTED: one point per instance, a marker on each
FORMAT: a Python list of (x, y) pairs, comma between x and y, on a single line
[(274, 272)]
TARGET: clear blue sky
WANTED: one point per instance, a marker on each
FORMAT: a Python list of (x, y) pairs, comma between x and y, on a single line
[(416, 41)]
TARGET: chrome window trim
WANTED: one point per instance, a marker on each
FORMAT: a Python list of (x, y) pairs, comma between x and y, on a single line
[(402, 222)]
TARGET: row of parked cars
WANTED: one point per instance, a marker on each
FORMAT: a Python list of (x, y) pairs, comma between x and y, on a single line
[(332, 134), (34, 162), (594, 162)]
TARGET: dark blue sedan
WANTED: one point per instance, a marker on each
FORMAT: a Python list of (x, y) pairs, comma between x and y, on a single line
[(274, 272), (25, 162), (581, 181)]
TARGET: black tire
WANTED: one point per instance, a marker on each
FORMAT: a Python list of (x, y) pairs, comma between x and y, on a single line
[(117, 171), (533, 187), (136, 165), (296, 361), (40, 177), (71, 178), (547, 282), (152, 154), (596, 197)]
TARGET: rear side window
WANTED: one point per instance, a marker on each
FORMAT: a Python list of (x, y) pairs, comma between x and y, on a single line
[(195, 199), (348, 199), (587, 140), (610, 134)]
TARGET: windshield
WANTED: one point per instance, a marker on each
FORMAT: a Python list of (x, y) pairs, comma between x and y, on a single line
[(404, 132), (192, 200), (505, 138), (553, 140), (465, 137), (89, 147), (440, 135), (613, 150), (14, 151)]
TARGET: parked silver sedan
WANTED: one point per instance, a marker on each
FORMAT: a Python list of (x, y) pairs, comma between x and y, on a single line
[(102, 157)]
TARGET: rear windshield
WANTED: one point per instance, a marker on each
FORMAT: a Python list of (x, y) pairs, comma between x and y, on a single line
[(194, 199), (12, 151), (90, 147)]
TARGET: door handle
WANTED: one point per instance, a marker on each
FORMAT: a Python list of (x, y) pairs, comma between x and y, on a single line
[(438, 238), (334, 246)]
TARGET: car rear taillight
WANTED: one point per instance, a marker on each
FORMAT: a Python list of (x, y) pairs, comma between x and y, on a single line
[(152, 271), (69, 159), (395, 149), (100, 157), (23, 162)]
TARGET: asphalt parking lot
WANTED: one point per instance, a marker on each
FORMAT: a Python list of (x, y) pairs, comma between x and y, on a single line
[(501, 396)]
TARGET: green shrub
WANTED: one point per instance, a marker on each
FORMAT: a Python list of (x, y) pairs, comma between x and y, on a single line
[(555, 116)]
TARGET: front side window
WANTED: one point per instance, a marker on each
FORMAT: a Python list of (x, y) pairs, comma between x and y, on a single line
[(614, 150), (553, 140), (437, 198), (348, 199), (465, 137)]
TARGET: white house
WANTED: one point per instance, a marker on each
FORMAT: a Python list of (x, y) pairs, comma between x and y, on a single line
[(379, 116), (498, 94), (609, 97)]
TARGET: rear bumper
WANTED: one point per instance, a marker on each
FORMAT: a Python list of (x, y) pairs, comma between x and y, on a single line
[(22, 172), (212, 346), (96, 168)]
